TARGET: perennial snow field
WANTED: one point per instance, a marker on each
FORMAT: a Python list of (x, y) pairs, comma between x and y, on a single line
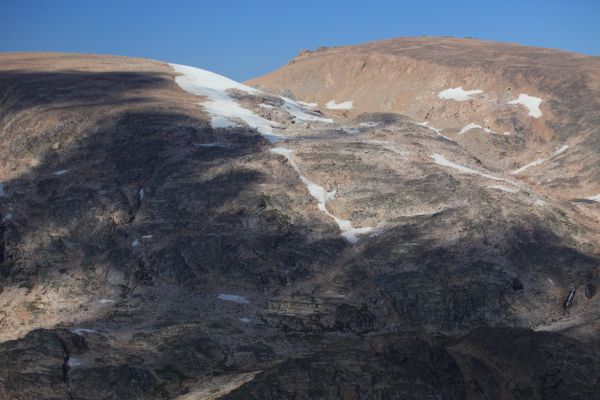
[(458, 94), (224, 109), (532, 104)]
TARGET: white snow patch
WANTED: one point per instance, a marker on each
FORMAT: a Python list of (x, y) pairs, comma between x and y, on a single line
[(83, 331), (105, 301), (142, 194), (298, 112), (208, 145), (436, 130), (61, 172), (309, 105), (561, 150), (474, 126), (369, 124), (267, 106), (532, 104), (458, 94), (539, 203), (221, 107), (441, 160), (245, 320), (147, 237), (346, 105), (539, 160), (74, 362), (351, 131), (594, 198), (135, 243), (233, 297), (469, 127), (323, 197), (502, 188)]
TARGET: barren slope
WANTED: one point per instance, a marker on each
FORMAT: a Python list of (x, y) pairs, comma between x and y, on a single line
[(168, 233)]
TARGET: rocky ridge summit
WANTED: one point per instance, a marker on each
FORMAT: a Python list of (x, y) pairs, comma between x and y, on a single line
[(385, 221)]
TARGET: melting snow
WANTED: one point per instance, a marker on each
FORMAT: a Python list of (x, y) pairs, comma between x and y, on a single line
[(436, 130), (531, 103), (105, 301), (233, 297), (221, 107), (74, 362), (309, 105), (539, 160), (441, 160), (594, 198), (61, 172), (474, 126), (502, 188), (323, 197), (267, 106), (369, 124), (347, 105), (458, 94), (300, 113), (213, 144), (83, 331)]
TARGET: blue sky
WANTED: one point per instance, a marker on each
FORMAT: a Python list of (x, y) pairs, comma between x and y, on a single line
[(242, 39)]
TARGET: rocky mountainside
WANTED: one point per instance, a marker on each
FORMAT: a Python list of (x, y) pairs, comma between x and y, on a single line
[(168, 233)]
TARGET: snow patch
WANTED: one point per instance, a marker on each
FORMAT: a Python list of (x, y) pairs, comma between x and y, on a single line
[(7, 217), (539, 160), (221, 107), (441, 160), (594, 198), (135, 243), (309, 105), (319, 193), (233, 297), (267, 106), (82, 331), (61, 172), (436, 130), (502, 188), (147, 237), (532, 104), (245, 320), (105, 301), (369, 124), (351, 131), (540, 203), (296, 111), (458, 94), (74, 362), (208, 145), (346, 105), (142, 194)]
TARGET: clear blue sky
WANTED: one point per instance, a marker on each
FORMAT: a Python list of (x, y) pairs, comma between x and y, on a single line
[(242, 39)]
